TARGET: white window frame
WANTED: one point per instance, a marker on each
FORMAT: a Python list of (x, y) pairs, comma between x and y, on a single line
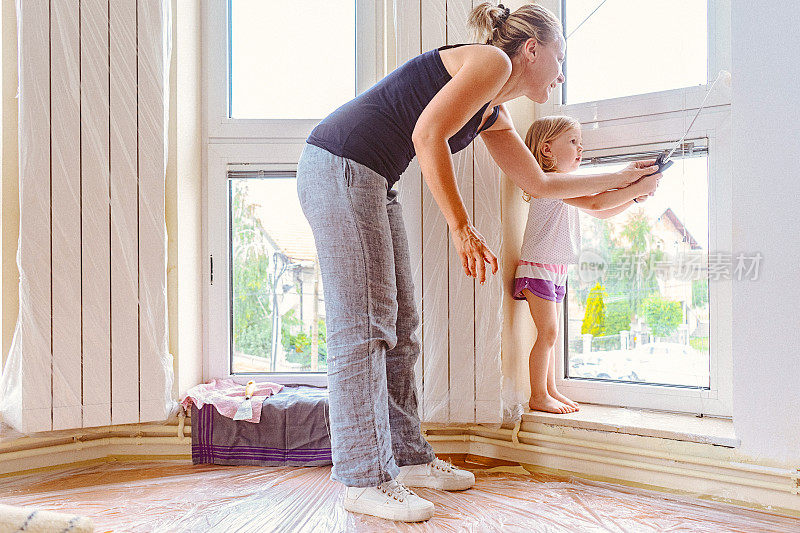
[(369, 68), (260, 144), (619, 125), (719, 53)]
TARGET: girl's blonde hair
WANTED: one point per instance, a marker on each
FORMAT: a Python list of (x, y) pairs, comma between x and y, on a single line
[(508, 31), (546, 130)]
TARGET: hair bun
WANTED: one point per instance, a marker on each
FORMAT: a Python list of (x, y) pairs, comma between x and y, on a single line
[(506, 13), (490, 25)]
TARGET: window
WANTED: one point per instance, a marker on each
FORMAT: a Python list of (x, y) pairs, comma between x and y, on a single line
[(637, 307), (620, 48), (646, 319), (305, 42), (278, 312), (263, 62)]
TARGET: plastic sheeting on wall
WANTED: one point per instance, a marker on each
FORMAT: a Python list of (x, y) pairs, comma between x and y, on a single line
[(90, 345), (458, 373)]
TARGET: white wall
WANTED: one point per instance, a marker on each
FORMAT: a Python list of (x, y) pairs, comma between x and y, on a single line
[(184, 198), (766, 358)]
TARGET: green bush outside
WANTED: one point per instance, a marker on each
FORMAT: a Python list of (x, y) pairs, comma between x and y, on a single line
[(699, 343), (298, 346), (663, 316)]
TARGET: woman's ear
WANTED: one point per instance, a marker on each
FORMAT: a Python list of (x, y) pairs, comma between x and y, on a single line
[(547, 149), (530, 48)]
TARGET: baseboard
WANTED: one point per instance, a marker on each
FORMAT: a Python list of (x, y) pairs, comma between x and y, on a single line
[(688, 469), (98, 450)]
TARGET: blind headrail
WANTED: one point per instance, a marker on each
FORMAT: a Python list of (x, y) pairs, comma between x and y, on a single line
[(695, 148)]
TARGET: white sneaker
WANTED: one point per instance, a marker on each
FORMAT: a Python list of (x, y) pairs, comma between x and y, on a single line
[(438, 474), (390, 500)]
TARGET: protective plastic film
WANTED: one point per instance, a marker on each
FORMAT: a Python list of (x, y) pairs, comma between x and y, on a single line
[(161, 496), (458, 372), (90, 345)]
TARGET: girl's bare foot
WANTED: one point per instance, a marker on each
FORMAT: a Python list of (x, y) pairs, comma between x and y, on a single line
[(549, 404), (563, 399)]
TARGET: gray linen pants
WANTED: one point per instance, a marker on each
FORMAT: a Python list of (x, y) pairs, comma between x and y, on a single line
[(371, 318)]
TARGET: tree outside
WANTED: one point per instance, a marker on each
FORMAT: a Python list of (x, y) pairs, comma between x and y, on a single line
[(629, 308), (298, 345), (595, 317), (633, 260), (266, 281), (252, 279), (618, 317)]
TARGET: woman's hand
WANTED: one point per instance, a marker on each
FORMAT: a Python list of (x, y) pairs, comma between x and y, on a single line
[(473, 251), (636, 171)]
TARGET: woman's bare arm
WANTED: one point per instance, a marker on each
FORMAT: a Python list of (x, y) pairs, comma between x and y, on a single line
[(476, 82), (479, 78), (517, 162)]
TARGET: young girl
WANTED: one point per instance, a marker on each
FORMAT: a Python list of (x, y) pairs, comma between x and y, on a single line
[(552, 241)]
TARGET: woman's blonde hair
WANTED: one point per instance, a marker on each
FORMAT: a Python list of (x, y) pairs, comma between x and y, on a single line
[(508, 31), (546, 130)]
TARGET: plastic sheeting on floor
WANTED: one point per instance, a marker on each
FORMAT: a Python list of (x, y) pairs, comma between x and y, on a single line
[(164, 496)]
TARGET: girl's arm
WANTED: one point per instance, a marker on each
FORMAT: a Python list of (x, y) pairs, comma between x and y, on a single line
[(516, 161), (608, 213), (618, 198)]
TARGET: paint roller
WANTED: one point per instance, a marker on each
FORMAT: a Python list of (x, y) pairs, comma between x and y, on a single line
[(32, 520)]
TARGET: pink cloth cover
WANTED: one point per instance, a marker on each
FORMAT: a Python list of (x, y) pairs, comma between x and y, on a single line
[(226, 396)]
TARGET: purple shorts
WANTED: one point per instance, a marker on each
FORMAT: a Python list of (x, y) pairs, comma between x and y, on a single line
[(543, 280)]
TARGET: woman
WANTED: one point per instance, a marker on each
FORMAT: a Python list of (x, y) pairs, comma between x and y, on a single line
[(432, 106)]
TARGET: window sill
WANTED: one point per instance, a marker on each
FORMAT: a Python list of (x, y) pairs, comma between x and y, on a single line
[(313, 379), (675, 426)]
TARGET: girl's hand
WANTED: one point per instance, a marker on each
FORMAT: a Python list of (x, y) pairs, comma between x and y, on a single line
[(649, 184), (642, 198), (636, 171), (472, 250)]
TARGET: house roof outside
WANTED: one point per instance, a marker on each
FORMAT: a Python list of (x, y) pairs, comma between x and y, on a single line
[(278, 209), (672, 219)]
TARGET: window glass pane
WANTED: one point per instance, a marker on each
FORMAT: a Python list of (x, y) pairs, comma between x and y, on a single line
[(638, 301), (632, 47), (291, 60), (275, 282)]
